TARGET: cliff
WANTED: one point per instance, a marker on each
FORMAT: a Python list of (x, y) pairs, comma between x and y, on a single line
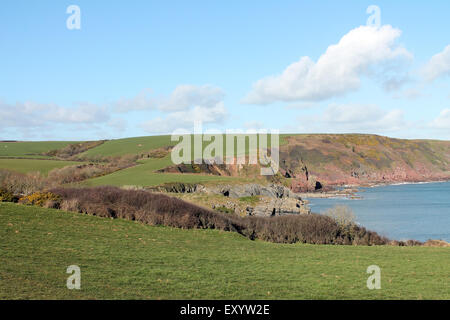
[(312, 162)]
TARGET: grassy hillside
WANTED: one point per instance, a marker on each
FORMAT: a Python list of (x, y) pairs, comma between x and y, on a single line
[(126, 260), (137, 145), (144, 144), (30, 148), (144, 175), (304, 159), (32, 165)]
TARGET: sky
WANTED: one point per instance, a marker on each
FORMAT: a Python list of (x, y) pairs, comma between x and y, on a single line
[(135, 68)]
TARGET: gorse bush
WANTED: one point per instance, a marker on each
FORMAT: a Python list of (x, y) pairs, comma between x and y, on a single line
[(160, 209), (41, 199), (6, 196)]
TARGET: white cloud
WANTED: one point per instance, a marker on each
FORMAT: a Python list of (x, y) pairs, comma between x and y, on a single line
[(438, 66), (410, 93), (442, 121), (338, 70), (301, 105), (185, 96), (31, 114), (186, 104), (354, 118), (182, 98), (142, 101), (31, 120), (185, 119), (179, 110), (118, 125)]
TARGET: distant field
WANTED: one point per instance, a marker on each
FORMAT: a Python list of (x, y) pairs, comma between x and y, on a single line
[(31, 165), (126, 260), (144, 175), (144, 144), (129, 146), (30, 148)]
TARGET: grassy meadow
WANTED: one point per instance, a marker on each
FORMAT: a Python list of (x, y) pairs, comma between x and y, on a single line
[(30, 149), (144, 175), (32, 165), (126, 146), (142, 144), (122, 259)]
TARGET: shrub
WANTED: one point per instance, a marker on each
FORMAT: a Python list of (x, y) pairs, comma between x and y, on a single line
[(77, 173), (71, 150), (71, 205), (52, 204), (40, 199), (224, 209), (160, 209), (343, 215), (22, 184), (6, 196)]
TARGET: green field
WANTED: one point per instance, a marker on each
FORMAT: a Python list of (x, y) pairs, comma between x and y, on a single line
[(137, 145), (32, 165), (126, 260), (141, 175), (144, 144), (144, 175), (30, 148)]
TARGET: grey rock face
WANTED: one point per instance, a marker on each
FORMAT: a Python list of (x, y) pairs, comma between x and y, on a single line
[(280, 206), (276, 200), (248, 190)]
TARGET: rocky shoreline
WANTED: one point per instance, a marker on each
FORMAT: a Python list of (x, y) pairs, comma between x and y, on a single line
[(254, 199), (244, 199)]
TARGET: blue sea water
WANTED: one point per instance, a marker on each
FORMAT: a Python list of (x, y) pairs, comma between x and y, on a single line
[(400, 212)]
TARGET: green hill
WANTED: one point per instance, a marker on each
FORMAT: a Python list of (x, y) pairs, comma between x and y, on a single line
[(31, 165), (122, 259), (30, 149), (305, 159), (125, 146), (144, 174)]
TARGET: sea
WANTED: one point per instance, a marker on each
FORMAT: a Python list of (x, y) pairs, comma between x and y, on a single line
[(418, 211)]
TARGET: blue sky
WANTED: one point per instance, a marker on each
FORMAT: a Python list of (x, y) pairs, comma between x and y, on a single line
[(148, 67)]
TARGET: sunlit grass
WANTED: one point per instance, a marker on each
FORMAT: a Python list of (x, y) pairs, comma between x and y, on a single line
[(127, 260)]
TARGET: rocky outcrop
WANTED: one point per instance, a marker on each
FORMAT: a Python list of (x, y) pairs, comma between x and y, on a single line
[(203, 168), (278, 207), (177, 187), (273, 200), (253, 189)]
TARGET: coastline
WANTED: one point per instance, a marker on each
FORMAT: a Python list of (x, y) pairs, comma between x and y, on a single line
[(418, 210), (350, 191)]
